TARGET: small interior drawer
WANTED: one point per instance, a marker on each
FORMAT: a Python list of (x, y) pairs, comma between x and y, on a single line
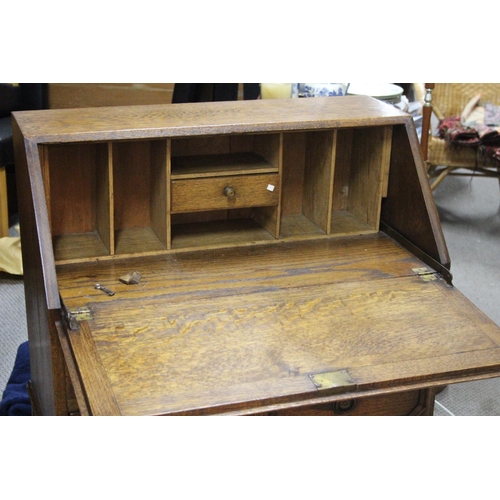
[(218, 193)]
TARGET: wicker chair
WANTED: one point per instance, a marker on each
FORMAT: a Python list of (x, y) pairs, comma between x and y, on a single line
[(446, 100)]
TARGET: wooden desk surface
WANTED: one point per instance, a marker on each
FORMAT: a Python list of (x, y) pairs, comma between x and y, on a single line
[(211, 331)]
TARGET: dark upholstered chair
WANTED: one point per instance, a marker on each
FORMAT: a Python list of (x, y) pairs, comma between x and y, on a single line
[(13, 97)]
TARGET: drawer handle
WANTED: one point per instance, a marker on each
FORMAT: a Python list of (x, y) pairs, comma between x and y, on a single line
[(229, 192), (344, 406)]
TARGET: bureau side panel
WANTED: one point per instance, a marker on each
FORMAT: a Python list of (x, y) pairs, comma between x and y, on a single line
[(409, 207), (41, 295)]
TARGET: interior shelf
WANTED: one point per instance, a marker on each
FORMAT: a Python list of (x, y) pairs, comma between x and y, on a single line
[(298, 225), (137, 240), (143, 196), (362, 161), (188, 167), (78, 204), (140, 196), (76, 246), (346, 223), (220, 232)]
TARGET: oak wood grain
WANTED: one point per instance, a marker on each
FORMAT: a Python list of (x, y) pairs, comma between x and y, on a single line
[(396, 404), (202, 146), (218, 233), (318, 179), (41, 294), (231, 349), (366, 174), (193, 195), (93, 373), (78, 95), (238, 306), (294, 146), (73, 173), (409, 207), (104, 198), (200, 119), (73, 373), (198, 342), (188, 167), (132, 184), (342, 168), (159, 195), (241, 270)]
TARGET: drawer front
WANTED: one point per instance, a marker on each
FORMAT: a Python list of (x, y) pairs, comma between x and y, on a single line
[(398, 404), (218, 193)]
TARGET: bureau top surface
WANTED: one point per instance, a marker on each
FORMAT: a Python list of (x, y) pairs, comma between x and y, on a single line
[(175, 120)]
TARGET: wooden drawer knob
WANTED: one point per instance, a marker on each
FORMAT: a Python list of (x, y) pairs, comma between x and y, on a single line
[(345, 406), (229, 192)]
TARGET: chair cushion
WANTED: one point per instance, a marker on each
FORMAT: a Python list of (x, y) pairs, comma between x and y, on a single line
[(6, 145), (10, 99)]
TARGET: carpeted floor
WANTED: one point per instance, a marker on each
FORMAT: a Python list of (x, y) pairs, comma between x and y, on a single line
[(13, 324), (13, 321), (470, 216)]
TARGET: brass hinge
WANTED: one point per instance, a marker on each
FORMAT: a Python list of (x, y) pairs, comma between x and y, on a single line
[(74, 316), (339, 379), (425, 273)]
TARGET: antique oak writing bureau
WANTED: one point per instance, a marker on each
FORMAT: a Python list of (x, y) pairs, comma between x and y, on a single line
[(288, 255)]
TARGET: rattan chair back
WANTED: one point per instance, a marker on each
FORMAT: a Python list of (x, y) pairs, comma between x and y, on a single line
[(448, 100)]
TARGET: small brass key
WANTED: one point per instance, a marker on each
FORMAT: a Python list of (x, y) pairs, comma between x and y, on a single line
[(97, 286)]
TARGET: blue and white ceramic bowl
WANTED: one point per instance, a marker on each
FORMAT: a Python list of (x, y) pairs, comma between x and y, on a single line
[(322, 89)]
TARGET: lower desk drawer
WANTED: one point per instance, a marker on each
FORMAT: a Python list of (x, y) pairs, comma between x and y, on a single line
[(418, 402), (219, 193)]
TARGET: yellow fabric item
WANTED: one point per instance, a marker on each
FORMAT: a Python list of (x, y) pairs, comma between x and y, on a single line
[(10, 255)]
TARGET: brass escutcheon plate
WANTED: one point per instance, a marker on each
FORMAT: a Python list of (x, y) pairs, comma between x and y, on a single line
[(329, 380)]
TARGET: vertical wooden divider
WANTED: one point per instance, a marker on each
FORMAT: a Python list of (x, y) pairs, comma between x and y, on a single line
[(168, 179), (386, 161), (343, 154), (292, 177), (44, 164), (111, 209), (318, 179), (331, 183), (270, 147), (280, 176), (103, 196), (369, 166), (158, 187)]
